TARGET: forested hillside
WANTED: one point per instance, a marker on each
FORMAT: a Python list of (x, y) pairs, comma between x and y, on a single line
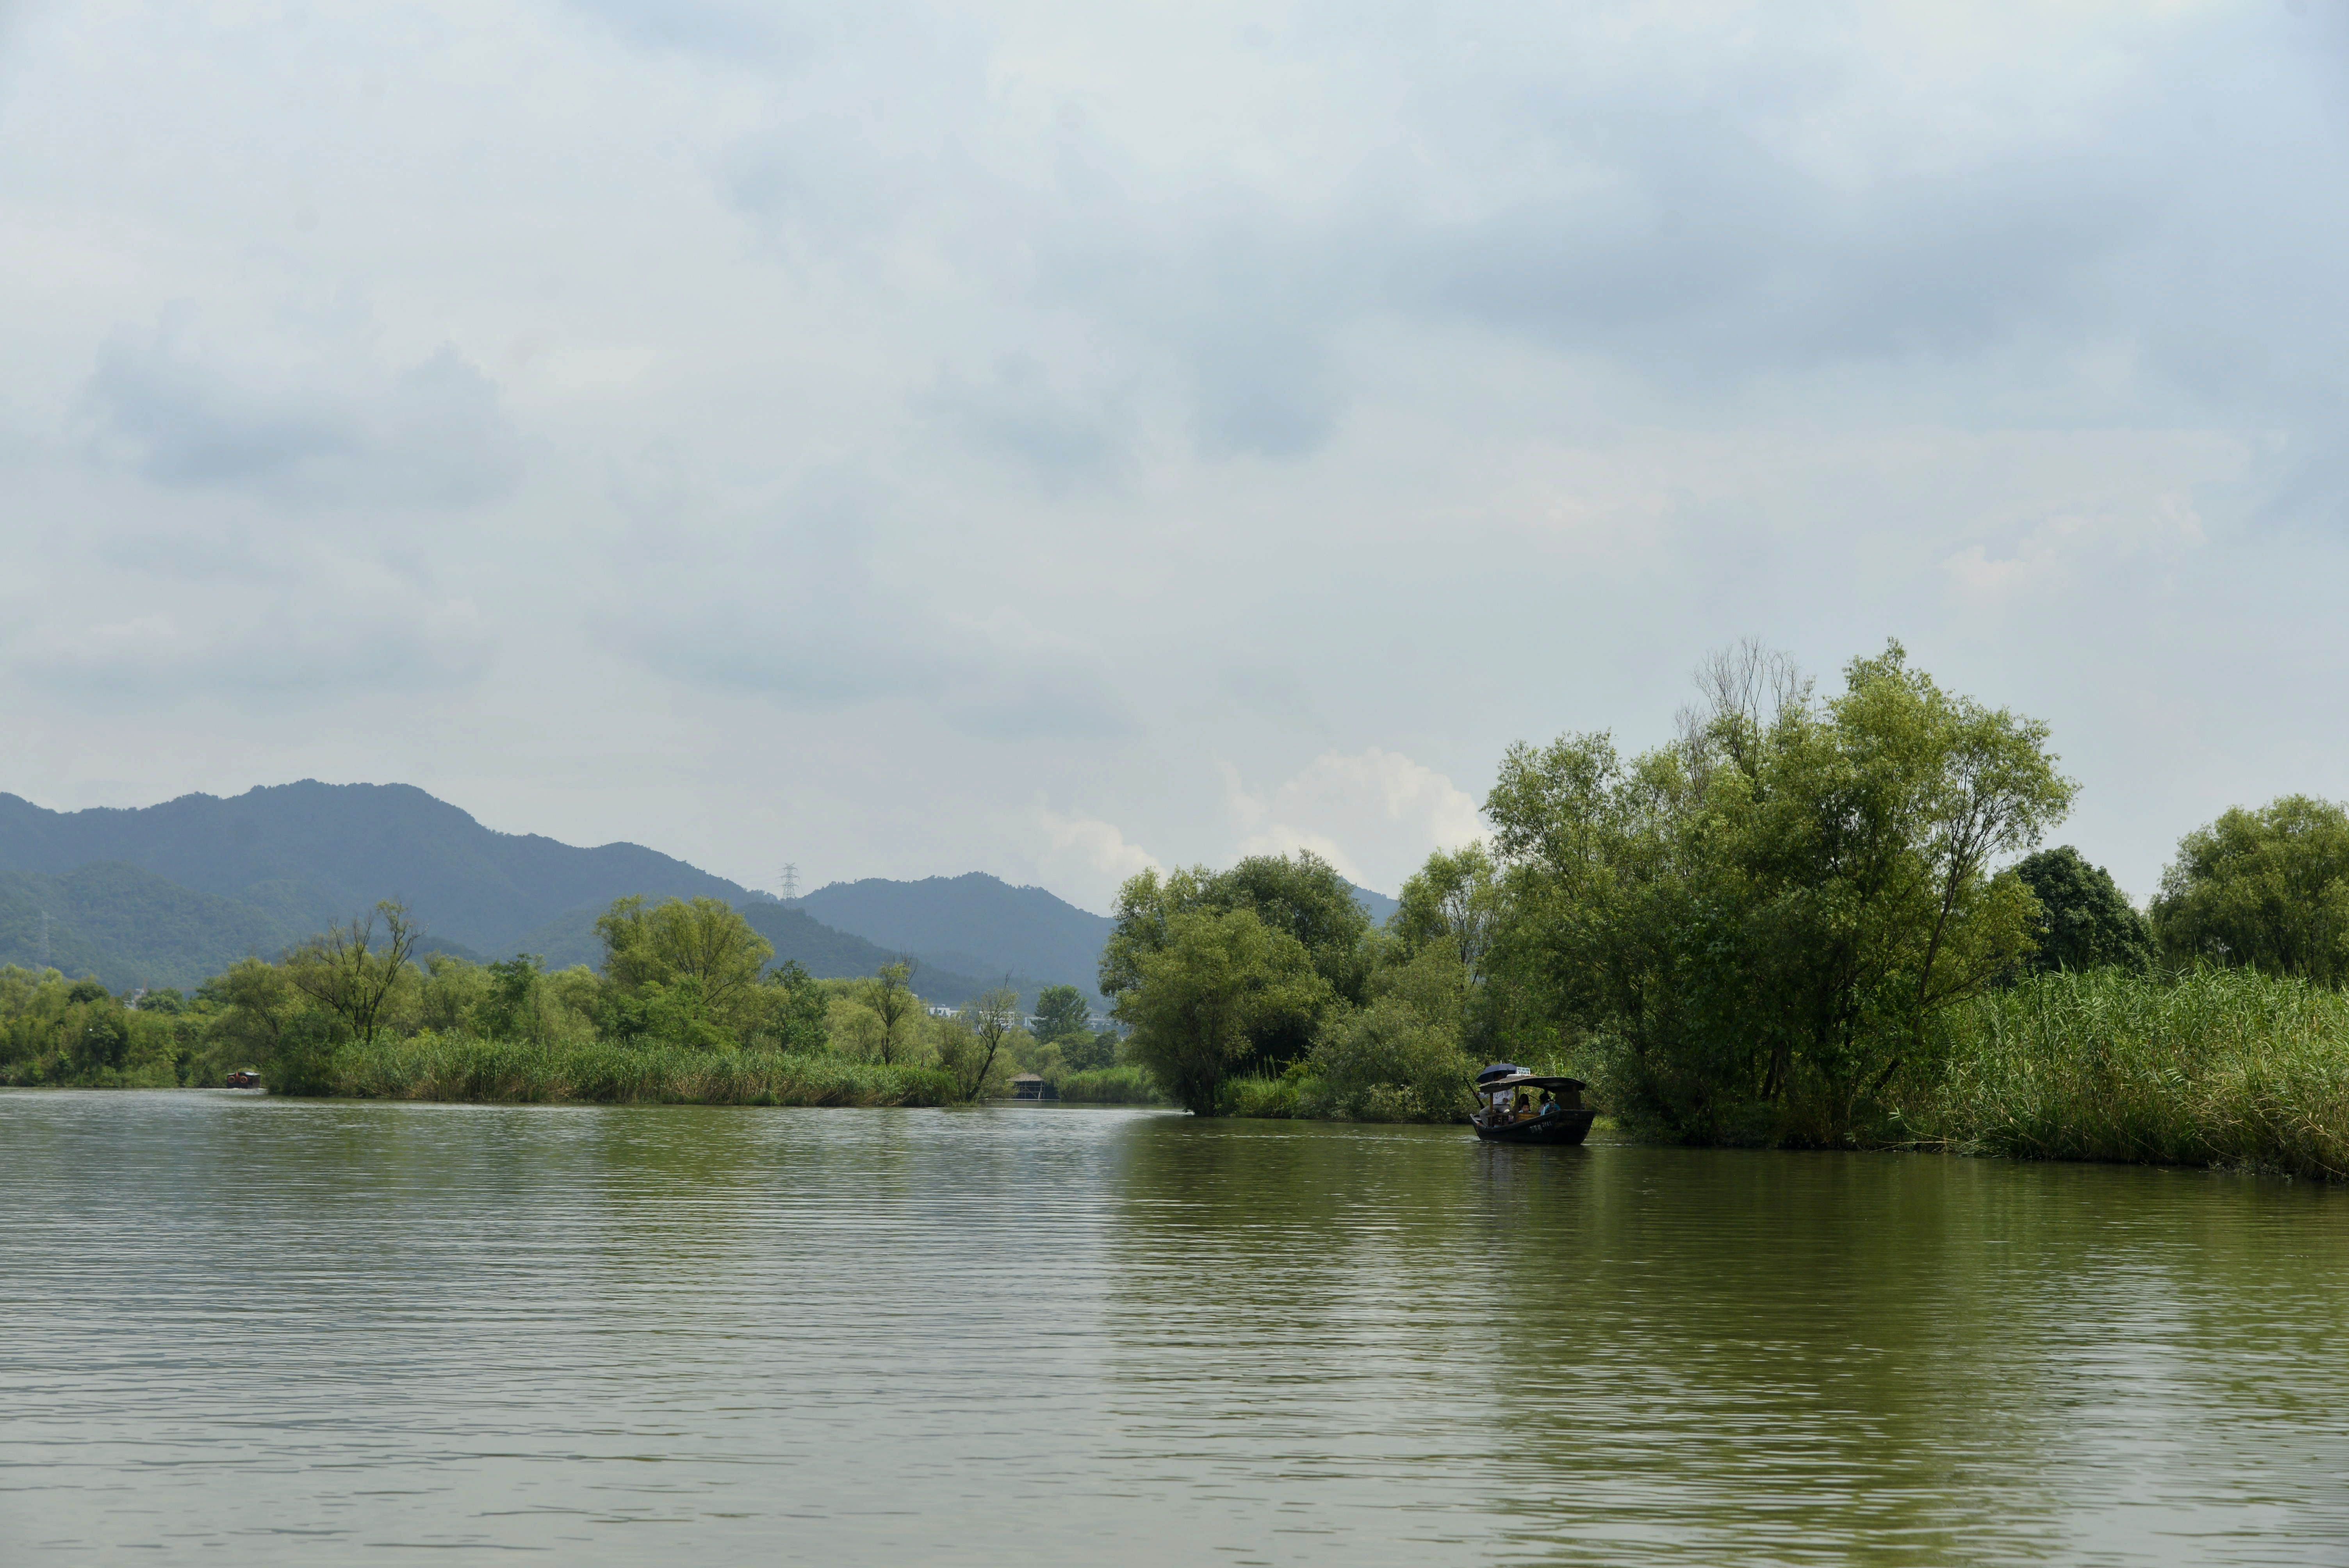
[(307, 854), (129, 926), (168, 894), (975, 923)]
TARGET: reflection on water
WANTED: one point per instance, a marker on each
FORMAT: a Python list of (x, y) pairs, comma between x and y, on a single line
[(265, 1331)]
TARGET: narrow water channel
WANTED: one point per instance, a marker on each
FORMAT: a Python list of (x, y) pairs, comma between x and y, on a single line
[(258, 1331)]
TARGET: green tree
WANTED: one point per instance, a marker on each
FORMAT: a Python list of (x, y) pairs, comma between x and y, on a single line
[(684, 971), (508, 1007), (890, 996), (1759, 924), (1199, 1000), (2085, 921), (2268, 888), (1061, 1016), (349, 972), (452, 990), (1091, 1051), (989, 1024), (253, 1007), (100, 1036), (799, 1011), (1389, 1062), (1302, 899), (1454, 907)]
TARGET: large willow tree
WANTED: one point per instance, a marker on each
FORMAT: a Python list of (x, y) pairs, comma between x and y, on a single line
[(1757, 926), (2269, 888)]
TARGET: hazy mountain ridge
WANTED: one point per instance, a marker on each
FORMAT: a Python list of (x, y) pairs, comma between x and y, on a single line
[(979, 923), (332, 849), (974, 919), (173, 893)]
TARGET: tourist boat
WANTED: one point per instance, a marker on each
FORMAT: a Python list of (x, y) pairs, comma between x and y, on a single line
[(244, 1078), (1514, 1106)]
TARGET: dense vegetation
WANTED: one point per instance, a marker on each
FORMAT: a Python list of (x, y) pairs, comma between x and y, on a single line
[(171, 895), (2218, 1066), (1807, 920), (686, 1006)]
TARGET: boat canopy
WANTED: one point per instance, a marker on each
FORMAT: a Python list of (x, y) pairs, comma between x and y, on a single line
[(1500, 1071), (1524, 1080)]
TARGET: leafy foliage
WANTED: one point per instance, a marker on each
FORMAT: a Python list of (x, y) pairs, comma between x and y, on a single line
[(973, 1049), (2268, 888), (1389, 1062), (1061, 1016), (1207, 988), (1752, 930), (349, 972), (1301, 918), (2084, 921)]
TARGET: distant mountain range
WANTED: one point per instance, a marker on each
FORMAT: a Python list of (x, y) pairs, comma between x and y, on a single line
[(170, 894), (972, 923)]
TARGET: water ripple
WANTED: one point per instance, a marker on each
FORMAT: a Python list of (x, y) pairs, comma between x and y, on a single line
[(284, 1331)]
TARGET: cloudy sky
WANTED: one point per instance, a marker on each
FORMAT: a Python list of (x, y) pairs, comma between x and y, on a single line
[(1052, 439)]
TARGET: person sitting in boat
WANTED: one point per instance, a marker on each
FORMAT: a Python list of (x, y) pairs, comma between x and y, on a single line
[(1549, 1103), (1520, 1106)]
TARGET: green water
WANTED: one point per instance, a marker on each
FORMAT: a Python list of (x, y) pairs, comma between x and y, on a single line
[(251, 1331)]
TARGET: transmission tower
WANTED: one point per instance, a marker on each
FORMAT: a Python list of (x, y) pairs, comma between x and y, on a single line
[(790, 882)]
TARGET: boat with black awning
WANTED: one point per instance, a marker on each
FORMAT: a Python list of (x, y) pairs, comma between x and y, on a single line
[(1515, 1105)]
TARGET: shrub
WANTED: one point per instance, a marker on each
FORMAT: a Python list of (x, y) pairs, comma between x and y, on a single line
[(1387, 1062)]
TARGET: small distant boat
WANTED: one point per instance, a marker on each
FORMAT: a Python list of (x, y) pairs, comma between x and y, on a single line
[(1514, 1106), (244, 1078)]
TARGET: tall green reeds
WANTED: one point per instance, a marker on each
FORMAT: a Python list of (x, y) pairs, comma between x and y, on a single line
[(1109, 1086), (460, 1067), (2224, 1067)]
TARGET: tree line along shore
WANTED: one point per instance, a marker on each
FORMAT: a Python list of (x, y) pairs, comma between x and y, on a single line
[(685, 1006), (1807, 921)]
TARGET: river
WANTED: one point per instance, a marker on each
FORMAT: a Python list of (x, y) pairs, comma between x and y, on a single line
[(265, 1331)]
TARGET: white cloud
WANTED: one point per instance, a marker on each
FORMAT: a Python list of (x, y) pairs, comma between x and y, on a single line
[(2090, 537), (1087, 856), (1375, 815), (888, 417)]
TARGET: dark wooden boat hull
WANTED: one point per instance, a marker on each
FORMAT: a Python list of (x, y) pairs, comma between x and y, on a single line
[(1567, 1127)]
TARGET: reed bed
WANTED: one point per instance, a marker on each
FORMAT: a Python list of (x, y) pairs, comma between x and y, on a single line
[(2218, 1066), (1260, 1095), (1109, 1086), (460, 1067)]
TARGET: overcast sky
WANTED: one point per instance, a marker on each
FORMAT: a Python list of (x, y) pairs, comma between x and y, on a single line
[(1049, 439)]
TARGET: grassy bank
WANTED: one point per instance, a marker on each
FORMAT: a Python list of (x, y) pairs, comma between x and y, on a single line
[(459, 1068), (2217, 1068)]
